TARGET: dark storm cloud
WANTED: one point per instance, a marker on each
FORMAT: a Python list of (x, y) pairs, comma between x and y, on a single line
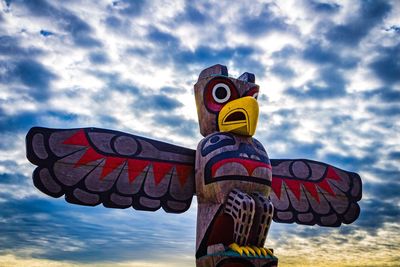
[(387, 65), (334, 86), (79, 30), (350, 162), (156, 102), (283, 71), (38, 7), (340, 119), (84, 231), (33, 74), (107, 120), (23, 121), (263, 23), (138, 52), (241, 56), (180, 125), (377, 211), (172, 90), (113, 81), (204, 54), (384, 174), (314, 52), (129, 8), (113, 22), (162, 38), (274, 136), (193, 15), (10, 46), (324, 7), (29, 73), (370, 14), (302, 150), (7, 178), (387, 111), (98, 58), (387, 190), (168, 48), (394, 155), (385, 94), (286, 52), (30, 218), (328, 59), (144, 100)]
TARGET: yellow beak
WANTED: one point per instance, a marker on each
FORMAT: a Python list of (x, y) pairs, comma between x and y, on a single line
[(239, 116)]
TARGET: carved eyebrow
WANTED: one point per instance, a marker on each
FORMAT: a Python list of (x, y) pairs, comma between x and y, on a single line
[(221, 140)]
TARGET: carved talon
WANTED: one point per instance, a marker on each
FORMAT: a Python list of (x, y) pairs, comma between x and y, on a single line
[(245, 250), (251, 250), (269, 252), (235, 247), (257, 250)]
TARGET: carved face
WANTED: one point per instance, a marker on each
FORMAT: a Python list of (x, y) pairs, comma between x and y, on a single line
[(227, 161), (226, 104)]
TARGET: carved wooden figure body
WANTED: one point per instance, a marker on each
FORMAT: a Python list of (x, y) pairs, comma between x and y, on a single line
[(239, 189)]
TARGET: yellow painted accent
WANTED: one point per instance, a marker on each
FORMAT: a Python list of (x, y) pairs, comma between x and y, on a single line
[(235, 247), (269, 252), (257, 250), (248, 106), (263, 252), (245, 250), (251, 250)]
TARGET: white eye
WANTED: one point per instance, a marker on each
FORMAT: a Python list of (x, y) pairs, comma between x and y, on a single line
[(221, 93), (255, 95)]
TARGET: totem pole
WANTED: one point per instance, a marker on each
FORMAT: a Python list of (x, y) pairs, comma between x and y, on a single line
[(230, 173)]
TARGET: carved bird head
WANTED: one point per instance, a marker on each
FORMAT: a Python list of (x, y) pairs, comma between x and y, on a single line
[(226, 104)]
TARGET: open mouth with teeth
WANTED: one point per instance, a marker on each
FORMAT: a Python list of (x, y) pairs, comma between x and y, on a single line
[(233, 167)]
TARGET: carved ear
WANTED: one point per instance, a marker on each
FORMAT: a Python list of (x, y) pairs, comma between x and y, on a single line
[(248, 77), (217, 69)]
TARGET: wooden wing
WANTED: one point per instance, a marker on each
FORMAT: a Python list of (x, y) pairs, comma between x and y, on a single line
[(92, 166), (311, 192)]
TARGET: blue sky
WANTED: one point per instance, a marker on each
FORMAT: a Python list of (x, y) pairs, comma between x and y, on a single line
[(329, 76)]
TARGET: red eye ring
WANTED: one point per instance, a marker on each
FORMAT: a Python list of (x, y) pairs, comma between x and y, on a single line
[(253, 92), (218, 92)]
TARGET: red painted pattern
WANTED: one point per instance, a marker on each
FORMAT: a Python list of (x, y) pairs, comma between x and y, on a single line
[(160, 169), (110, 165), (135, 166), (78, 139), (249, 164), (183, 172), (312, 187), (89, 156)]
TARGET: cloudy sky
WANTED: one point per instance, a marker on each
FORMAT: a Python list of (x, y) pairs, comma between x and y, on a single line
[(329, 75)]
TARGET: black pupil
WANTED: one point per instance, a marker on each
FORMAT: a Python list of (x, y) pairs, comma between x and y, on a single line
[(221, 93)]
